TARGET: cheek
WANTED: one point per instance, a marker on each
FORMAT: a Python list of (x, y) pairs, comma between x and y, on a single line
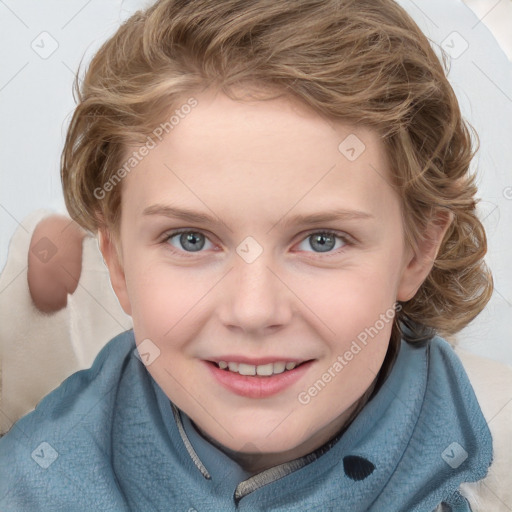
[(356, 308), (351, 299), (357, 314), (164, 300)]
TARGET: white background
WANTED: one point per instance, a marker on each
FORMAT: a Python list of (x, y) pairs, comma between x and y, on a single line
[(36, 103)]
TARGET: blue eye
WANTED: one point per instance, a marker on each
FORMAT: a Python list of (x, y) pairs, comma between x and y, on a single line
[(323, 241), (191, 241)]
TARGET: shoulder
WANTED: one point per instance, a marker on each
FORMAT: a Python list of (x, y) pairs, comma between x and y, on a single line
[(101, 377), (70, 425), (78, 388), (492, 384)]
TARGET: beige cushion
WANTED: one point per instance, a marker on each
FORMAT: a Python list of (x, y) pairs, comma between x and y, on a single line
[(38, 351)]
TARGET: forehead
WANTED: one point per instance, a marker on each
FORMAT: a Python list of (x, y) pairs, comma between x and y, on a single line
[(250, 155)]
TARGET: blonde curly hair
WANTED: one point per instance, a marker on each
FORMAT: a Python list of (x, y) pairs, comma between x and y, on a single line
[(362, 61)]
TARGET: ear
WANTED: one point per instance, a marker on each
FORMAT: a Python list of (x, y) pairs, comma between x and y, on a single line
[(421, 260), (111, 256)]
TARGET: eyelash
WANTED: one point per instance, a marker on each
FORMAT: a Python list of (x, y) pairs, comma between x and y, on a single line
[(346, 239)]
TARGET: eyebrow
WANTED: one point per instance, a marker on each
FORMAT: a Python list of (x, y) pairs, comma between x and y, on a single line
[(313, 218)]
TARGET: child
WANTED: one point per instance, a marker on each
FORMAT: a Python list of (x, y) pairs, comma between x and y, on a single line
[(282, 197)]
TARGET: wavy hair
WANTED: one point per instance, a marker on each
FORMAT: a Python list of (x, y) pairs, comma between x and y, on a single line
[(361, 61)]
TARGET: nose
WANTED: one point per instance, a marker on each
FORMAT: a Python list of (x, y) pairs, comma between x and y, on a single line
[(254, 299)]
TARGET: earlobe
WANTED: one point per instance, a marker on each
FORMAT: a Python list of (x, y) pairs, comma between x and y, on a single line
[(115, 268), (421, 260)]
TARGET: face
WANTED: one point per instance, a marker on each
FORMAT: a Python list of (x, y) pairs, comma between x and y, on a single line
[(292, 249)]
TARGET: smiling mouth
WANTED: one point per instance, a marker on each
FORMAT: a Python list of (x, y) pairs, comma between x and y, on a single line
[(258, 381), (262, 370)]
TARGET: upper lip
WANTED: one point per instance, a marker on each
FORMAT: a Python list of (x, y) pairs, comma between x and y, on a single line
[(257, 361)]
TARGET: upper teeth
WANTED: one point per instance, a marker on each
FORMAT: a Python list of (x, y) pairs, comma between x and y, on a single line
[(261, 369)]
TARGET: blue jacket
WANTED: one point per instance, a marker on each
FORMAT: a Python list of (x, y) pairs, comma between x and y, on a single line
[(108, 439)]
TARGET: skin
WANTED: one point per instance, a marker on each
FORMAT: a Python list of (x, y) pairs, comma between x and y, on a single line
[(254, 165), (54, 262)]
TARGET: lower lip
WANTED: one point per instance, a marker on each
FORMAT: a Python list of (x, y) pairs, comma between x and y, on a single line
[(254, 386)]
